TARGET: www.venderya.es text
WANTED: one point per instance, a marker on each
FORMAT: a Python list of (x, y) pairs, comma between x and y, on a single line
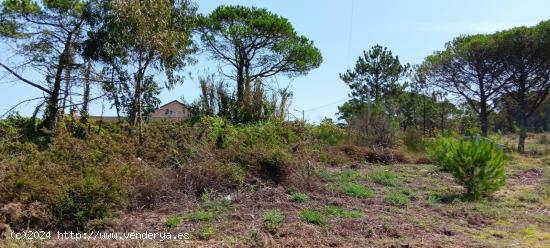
[(97, 235)]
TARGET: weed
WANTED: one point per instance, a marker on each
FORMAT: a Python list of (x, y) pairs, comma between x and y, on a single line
[(382, 177), (349, 214), (348, 176), (315, 217), (205, 232), (273, 219), (200, 215), (356, 190), (299, 197), (396, 198), (172, 221), (333, 210)]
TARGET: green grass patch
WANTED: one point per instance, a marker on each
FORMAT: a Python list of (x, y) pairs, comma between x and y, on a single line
[(382, 177), (396, 198), (340, 212), (352, 214), (200, 215), (172, 221), (299, 197), (348, 176), (356, 190), (315, 217)]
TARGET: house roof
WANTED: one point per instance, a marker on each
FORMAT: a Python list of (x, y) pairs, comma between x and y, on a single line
[(171, 103)]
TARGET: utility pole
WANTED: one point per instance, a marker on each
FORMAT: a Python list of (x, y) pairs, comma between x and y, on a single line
[(303, 114)]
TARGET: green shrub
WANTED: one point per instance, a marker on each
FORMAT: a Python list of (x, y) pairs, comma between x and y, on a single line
[(315, 217), (200, 215), (438, 149), (23, 129), (356, 190), (273, 219), (396, 198), (205, 232), (477, 164), (329, 133), (412, 139), (172, 221), (88, 199), (299, 197), (383, 177)]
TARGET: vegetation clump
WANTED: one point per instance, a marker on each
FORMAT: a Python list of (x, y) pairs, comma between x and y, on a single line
[(172, 221), (311, 216), (355, 189), (272, 219), (299, 197), (382, 177), (396, 198), (477, 164), (200, 215)]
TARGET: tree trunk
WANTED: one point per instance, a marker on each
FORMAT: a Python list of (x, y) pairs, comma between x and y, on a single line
[(522, 133), (50, 121), (137, 107), (66, 92), (484, 119), (86, 94)]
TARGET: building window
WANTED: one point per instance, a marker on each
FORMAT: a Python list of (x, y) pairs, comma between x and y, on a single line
[(168, 112)]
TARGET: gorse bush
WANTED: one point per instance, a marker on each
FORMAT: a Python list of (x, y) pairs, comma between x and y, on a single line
[(329, 132), (477, 164)]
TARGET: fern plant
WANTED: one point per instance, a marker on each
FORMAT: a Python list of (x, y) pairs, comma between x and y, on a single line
[(477, 164)]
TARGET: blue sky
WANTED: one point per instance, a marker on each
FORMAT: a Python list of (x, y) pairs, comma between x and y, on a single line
[(342, 30)]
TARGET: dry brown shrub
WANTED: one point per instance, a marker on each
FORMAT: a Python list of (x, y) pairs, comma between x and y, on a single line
[(423, 160), (386, 156), (20, 216)]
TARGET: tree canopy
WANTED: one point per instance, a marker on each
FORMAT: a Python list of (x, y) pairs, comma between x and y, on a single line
[(136, 37), (376, 74), (46, 35), (524, 55), (255, 44), (468, 68)]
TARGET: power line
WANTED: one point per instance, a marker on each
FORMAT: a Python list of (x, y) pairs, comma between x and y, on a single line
[(327, 105)]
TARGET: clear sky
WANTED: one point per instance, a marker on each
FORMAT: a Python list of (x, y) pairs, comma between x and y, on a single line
[(342, 30)]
